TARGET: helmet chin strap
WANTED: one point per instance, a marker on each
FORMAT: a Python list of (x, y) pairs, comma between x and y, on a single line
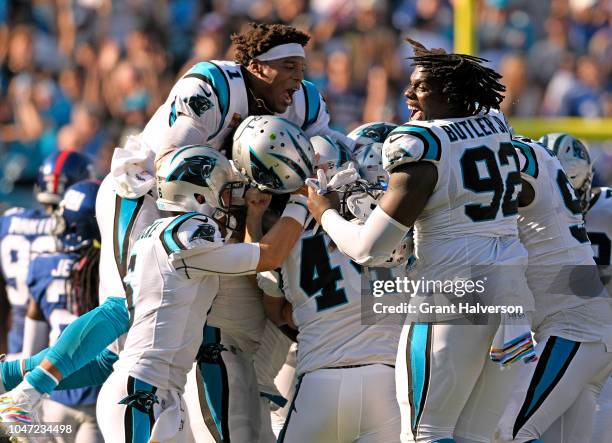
[(260, 103)]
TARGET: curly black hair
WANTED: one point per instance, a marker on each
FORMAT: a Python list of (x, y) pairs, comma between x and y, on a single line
[(82, 284), (466, 83), (261, 37)]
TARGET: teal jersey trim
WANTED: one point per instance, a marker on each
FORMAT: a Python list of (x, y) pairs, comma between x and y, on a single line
[(431, 143), (531, 165), (126, 212), (214, 76), (312, 102), (169, 236)]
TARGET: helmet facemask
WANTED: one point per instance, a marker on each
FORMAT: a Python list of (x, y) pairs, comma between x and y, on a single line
[(360, 198)]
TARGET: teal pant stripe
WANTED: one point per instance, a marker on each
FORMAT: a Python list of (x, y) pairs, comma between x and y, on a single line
[(419, 345), (556, 357), (216, 387), (283, 432)]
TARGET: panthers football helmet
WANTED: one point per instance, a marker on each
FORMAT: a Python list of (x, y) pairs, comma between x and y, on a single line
[(576, 161), (274, 153), (332, 154), (375, 132), (191, 171), (59, 171)]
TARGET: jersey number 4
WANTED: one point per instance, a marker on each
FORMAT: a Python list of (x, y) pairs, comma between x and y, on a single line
[(481, 174), (317, 277)]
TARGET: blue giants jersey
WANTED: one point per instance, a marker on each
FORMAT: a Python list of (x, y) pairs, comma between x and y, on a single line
[(48, 284), (24, 233)]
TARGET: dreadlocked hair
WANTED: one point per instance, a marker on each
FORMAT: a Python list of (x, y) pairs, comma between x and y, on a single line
[(82, 283), (466, 83), (261, 37)]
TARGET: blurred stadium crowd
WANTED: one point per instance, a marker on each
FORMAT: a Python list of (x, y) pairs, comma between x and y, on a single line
[(84, 74)]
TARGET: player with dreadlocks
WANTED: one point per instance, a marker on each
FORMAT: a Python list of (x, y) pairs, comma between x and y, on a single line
[(63, 285), (454, 176)]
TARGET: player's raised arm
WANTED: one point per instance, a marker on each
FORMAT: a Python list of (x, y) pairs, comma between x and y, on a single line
[(409, 189)]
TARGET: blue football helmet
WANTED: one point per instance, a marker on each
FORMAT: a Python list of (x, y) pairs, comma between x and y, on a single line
[(75, 222), (59, 171)]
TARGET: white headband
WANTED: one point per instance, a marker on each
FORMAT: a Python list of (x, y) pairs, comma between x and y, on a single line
[(282, 51)]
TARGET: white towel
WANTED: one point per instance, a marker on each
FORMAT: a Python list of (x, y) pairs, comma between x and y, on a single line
[(513, 341), (132, 168)]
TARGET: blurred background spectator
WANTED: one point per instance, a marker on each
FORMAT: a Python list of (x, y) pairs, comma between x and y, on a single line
[(84, 74)]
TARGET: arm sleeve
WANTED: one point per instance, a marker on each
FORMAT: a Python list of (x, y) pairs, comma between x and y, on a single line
[(370, 244), (271, 283), (230, 260)]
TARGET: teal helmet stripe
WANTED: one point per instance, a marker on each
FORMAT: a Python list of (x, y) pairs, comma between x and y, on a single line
[(213, 75), (262, 174), (311, 102), (558, 143), (293, 165), (178, 152), (531, 166), (301, 153)]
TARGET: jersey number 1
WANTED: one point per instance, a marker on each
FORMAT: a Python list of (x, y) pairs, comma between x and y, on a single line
[(317, 277)]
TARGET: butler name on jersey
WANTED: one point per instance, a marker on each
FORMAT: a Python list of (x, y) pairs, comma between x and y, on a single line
[(474, 202)]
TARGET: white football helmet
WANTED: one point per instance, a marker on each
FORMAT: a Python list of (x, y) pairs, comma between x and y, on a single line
[(333, 154), (375, 132), (195, 170), (274, 153), (370, 162), (576, 161)]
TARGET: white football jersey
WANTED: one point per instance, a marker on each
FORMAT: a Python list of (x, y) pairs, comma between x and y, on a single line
[(324, 287), (173, 276), (238, 311), (470, 218), (120, 221), (561, 272), (551, 227), (214, 95), (599, 225)]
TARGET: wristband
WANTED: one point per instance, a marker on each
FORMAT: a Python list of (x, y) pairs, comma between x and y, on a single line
[(296, 210)]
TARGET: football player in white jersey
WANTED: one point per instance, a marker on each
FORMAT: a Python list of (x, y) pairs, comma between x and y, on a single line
[(597, 207), (173, 276), (455, 176), (345, 388), (236, 320), (204, 106), (572, 321)]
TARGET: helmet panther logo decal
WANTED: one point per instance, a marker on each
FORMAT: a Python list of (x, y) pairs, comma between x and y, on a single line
[(378, 132), (579, 151), (194, 170)]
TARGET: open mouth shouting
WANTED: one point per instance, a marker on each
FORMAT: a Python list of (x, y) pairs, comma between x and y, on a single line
[(287, 95), (415, 111)]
